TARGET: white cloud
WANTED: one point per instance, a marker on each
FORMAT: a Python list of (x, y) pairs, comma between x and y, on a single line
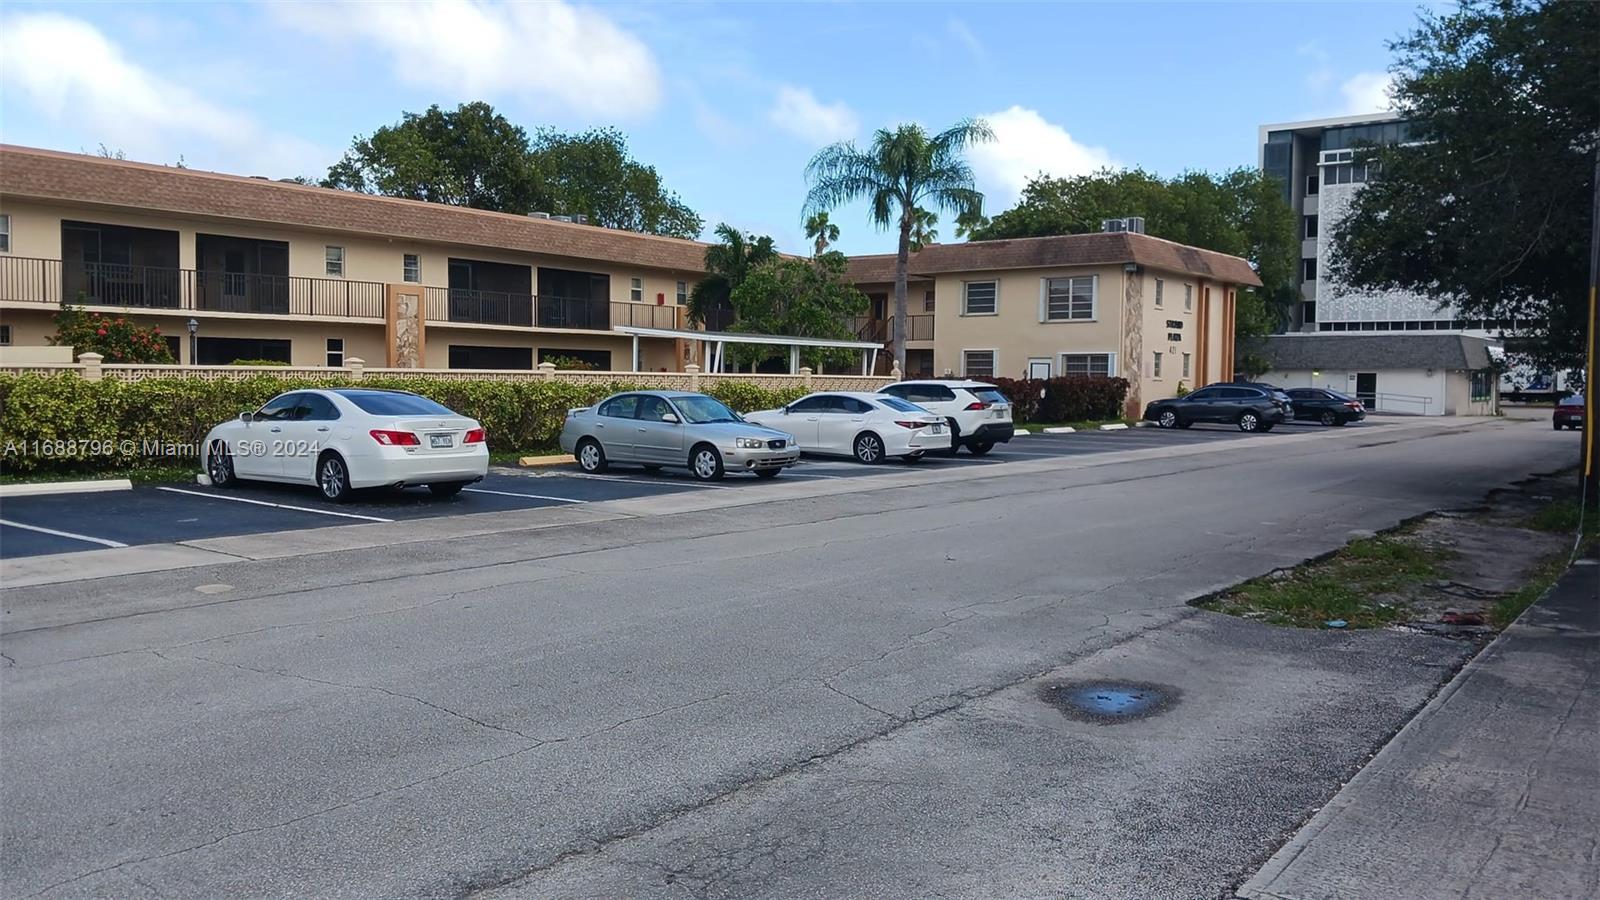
[(1025, 145), (1366, 92), (74, 76), (1321, 74), (550, 52), (798, 111), (964, 36)]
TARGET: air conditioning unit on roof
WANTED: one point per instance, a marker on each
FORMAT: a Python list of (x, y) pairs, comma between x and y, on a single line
[(561, 218), (538, 215)]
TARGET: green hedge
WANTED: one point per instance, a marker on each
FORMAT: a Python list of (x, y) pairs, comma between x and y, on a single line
[(1068, 398), (62, 423)]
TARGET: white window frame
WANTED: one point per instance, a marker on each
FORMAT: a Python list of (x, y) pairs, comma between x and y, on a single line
[(411, 274), (1044, 298), (1312, 260), (1111, 361), (1047, 362), (5, 232), (994, 360), (1155, 365), (1188, 297), (5, 335), (992, 312), (1309, 222), (636, 289), (683, 293), (330, 353), (333, 261), (1185, 365), (1160, 286)]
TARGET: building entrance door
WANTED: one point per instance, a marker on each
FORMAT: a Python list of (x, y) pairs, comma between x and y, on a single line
[(1367, 389)]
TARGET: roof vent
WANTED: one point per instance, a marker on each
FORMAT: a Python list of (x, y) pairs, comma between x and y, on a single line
[(581, 220), (1134, 224), (538, 215), (562, 218)]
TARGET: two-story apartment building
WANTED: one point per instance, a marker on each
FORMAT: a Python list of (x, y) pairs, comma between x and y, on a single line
[(1117, 303), (311, 276)]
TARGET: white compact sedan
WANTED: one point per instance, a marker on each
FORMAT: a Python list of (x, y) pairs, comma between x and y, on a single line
[(348, 438), (869, 427)]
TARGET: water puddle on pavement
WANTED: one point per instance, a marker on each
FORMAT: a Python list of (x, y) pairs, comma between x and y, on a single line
[(1107, 702)]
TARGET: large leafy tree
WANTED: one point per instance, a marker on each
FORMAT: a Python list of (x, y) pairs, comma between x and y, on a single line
[(1240, 212), (900, 173), (728, 262), (801, 298), (1489, 207), (473, 156)]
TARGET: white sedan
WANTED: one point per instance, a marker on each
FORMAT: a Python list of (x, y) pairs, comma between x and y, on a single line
[(869, 427), (347, 438)]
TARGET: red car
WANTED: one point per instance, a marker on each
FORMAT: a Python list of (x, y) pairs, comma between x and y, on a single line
[(1569, 413)]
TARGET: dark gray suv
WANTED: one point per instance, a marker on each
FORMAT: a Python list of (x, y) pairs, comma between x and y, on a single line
[(1250, 407)]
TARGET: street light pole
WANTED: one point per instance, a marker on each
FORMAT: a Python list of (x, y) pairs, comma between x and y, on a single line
[(1591, 428), (194, 342)]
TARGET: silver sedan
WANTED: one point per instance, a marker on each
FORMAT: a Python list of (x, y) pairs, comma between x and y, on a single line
[(672, 428)]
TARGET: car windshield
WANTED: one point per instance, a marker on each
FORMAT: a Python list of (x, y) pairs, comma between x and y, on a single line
[(702, 410), (898, 405), (390, 403)]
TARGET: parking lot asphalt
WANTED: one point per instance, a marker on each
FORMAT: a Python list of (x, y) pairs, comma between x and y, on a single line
[(171, 513)]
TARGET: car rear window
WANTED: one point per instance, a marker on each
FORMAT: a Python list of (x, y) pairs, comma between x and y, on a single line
[(384, 403), (895, 403), (988, 395)]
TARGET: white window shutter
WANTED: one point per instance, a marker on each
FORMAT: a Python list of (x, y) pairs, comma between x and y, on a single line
[(1111, 363), (1044, 298)]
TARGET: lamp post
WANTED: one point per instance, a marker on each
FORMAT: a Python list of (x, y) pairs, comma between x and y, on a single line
[(194, 342)]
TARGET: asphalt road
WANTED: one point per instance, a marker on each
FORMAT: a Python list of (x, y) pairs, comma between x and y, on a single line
[(832, 695)]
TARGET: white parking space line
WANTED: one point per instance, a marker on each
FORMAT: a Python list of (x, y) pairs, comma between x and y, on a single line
[(529, 496), (307, 509), (645, 479), (66, 534)]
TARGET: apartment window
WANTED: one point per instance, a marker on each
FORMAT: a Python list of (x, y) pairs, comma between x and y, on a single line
[(1309, 224), (683, 293), (636, 289), (1311, 185), (1069, 299), (1186, 365), (1160, 289), (335, 353), (1155, 365), (1308, 269), (5, 234), (978, 298), (1090, 364), (927, 301), (1482, 385), (411, 268), (334, 261), (5, 335), (977, 363), (1188, 298), (1308, 311)]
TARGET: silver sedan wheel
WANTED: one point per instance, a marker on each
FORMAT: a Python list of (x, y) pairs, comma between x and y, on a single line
[(220, 465), (331, 478), (1249, 422), (590, 457), (869, 449), (707, 467), (1169, 419)]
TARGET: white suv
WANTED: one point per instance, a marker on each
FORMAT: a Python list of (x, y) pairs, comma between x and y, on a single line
[(979, 415)]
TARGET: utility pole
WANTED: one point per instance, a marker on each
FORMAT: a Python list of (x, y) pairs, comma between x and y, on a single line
[(1591, 445)]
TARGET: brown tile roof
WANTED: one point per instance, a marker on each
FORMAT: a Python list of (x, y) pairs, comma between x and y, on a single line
[(72, 177), (1097, 249)]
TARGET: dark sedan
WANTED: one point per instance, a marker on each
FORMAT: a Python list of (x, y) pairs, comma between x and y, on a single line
[(1249, 407), (1325, 406)]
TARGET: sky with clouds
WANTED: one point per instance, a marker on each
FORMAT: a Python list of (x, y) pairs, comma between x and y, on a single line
[(728, 101)]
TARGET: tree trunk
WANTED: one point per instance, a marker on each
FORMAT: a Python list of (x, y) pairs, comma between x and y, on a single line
[(901, 261)]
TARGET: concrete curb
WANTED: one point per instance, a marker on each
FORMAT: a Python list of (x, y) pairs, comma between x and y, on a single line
[(1116, 426), (1064, 429), (1020, 431), (537, 461), (40, 488)]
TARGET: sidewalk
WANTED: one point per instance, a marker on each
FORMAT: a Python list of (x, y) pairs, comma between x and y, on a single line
[(1489, 792)]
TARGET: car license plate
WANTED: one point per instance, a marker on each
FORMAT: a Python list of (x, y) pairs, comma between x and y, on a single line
[(936, 429), (1000, 412), (441, 440)]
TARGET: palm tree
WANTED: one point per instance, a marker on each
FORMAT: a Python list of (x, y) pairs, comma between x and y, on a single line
[(922, 231), (821, 232), (897, 175), (727, 264)]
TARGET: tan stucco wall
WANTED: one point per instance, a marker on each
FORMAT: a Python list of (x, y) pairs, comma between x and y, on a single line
[(1155, 336), (1458, 395), (1014, 331)]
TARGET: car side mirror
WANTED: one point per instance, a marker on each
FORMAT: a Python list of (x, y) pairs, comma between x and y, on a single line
[(669, 417), (247, 417), (786, 410)]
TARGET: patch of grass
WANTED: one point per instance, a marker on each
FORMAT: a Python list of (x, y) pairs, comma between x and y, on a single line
[(1349, 585), (1512, 605), (1562, 516), (142, 475)]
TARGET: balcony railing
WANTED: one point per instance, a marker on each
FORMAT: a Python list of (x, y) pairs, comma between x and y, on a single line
[(918, 328), (500, 308), (160, 288)]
